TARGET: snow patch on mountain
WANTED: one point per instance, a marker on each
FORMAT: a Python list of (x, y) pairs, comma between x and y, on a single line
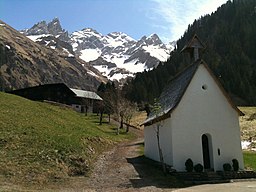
[(119, 76), (135, 66), (37, 37), (89, 54), (116, 39), (117, 59), (157, 52), (103, 69), (7, 46), (92, 73)]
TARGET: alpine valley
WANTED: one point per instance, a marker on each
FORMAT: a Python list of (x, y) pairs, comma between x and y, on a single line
[(116, 55), (24, 63)]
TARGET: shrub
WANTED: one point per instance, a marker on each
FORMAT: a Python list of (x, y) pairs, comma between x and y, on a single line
[(189, 165), (227, 167), (198, 168), (235, 164)]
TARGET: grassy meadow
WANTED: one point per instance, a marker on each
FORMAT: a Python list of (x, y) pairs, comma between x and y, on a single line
[(42, 143), (248, 132), (250, 160), (248, 123)]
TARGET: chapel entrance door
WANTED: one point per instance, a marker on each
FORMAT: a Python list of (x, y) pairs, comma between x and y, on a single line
[(206, 152)]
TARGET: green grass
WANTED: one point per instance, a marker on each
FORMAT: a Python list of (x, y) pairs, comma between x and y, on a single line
[(248, 123), (248, 132), (249, 160), (42, 143)]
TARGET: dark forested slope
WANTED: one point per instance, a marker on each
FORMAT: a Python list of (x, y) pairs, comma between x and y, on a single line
[(229, 36)]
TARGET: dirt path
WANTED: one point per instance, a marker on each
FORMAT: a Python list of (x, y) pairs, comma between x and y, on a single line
[(113, 171), (123, 169)]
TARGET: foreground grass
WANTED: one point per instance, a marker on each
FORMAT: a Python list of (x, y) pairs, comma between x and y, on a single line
[(248, 133), (41, 143), (249, 160), (248, 123)]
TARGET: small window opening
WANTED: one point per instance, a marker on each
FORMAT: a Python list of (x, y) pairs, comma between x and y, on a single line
[(218, 151), (204, 87)]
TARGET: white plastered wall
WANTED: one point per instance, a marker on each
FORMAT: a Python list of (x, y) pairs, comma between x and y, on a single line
[(151, 146)]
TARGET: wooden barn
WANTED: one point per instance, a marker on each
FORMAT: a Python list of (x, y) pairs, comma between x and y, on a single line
[(81, 100)]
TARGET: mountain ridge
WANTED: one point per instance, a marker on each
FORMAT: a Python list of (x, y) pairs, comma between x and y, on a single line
[(122, 51)]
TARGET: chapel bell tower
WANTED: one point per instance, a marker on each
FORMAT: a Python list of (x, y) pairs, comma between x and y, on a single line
[(194, 47)]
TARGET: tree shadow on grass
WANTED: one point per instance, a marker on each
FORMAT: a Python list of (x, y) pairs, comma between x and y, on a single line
[(98, 122), (113, 131), (150, 174)]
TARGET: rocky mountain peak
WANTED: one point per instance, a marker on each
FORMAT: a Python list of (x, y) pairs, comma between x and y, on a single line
[(114, 35), (89, 31), (154, 40), (54, 27), (120, 36), (143, 38), (38, 29)]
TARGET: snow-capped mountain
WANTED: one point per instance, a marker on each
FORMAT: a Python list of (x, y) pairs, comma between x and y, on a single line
[(116, 55), (51, 35)]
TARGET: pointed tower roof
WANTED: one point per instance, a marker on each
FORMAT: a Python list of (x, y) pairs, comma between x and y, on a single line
[(193, 47)]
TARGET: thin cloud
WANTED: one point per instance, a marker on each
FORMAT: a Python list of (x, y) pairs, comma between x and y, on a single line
[(177, 15)]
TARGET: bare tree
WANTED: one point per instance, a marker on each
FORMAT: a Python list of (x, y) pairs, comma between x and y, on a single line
[(107, 92), (156, 110), (84, 105), (130, 110), (116, 104), (113, 105), (121, 108), (100, 109)]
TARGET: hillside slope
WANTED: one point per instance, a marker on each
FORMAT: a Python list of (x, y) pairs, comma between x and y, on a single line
[(25, 63), (41, 143)]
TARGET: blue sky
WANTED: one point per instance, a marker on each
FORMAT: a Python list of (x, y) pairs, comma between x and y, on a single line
[(168, 18)]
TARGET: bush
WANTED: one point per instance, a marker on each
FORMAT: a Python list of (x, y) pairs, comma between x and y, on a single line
[(235, 164), (189, 165), (198, 168), (227, 167)]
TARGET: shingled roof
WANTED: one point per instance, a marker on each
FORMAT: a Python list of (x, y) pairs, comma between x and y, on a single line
[(174, 91)]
